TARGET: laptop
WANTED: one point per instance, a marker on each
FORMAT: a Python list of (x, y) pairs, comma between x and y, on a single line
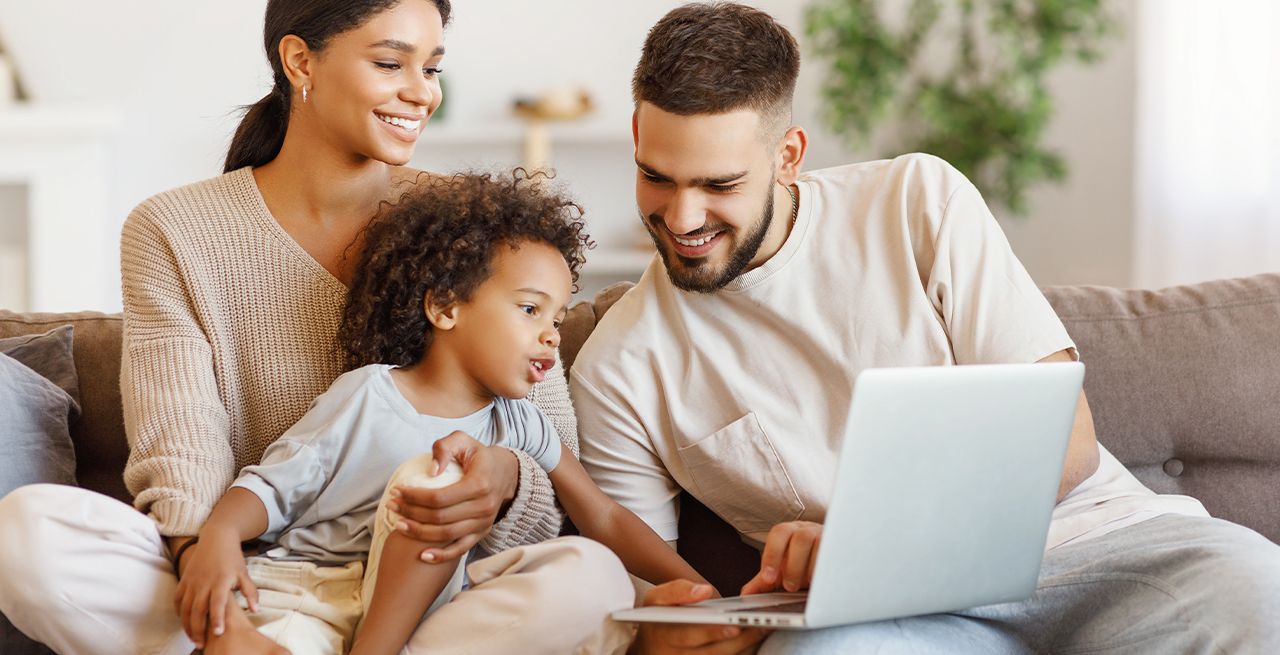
[(945, 485)]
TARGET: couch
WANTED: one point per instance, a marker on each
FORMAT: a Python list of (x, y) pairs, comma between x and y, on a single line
[(1184, 384)]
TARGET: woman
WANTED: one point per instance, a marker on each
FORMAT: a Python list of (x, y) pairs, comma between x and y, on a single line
[(233, 290)]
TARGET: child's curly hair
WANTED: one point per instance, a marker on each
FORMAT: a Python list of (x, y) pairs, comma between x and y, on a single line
[(440, 239)]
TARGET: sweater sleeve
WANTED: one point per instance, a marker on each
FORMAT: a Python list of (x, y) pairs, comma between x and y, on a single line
[(180, 455), (533, 515)]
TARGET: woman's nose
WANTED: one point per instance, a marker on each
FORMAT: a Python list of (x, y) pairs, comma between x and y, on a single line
[(422, 92)]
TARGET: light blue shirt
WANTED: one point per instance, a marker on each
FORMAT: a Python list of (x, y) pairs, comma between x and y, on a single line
[(322, 480)]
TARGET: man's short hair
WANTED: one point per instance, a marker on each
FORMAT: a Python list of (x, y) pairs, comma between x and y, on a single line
[(717, 57)]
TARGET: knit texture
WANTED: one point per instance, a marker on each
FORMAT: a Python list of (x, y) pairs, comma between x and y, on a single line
[(229, 333)]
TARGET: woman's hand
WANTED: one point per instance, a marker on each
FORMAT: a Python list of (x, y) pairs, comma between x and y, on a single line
[(456, 517), (210, 571)]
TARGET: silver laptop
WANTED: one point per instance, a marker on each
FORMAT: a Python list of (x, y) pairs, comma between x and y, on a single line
[(942, 498)]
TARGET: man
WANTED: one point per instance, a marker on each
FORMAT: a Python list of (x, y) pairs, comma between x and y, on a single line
[(728, 370)]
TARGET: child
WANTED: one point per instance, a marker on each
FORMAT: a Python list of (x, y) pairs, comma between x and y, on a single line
[(453, 316)]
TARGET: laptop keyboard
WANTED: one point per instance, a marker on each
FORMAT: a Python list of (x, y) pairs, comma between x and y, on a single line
[(794, 607)]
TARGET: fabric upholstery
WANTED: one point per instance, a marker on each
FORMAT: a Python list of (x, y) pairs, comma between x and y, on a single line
[(98, 434), (1183, 385), (33, 428), (48, 354), (582, 318)]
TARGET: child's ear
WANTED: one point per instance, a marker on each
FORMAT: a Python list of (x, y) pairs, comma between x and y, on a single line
[(440, 316)]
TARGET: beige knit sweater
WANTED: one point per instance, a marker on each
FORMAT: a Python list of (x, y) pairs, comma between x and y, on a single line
[(229, 333)]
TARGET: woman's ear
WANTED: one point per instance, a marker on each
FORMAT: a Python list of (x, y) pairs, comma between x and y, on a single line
[(296, 59), (440, 316)]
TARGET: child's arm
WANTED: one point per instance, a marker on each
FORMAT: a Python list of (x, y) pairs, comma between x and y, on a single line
[(599, 517), (405, 587), (212, 568)]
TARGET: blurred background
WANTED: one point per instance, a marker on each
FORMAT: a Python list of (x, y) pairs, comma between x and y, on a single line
[(1138, 140)]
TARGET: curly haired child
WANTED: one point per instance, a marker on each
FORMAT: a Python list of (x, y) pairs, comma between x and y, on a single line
[(453, 315)]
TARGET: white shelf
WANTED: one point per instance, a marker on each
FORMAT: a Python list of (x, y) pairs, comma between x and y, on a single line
[(61, 122), (590, 132), (592, 156)]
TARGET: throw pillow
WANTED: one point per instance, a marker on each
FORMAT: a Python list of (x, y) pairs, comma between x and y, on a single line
[(38, 398), (49, 354)]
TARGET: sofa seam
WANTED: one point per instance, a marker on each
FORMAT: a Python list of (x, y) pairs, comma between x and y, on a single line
[(61, 321), (1175, 312)]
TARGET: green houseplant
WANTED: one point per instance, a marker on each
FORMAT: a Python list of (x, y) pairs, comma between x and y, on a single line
[(984, 107)]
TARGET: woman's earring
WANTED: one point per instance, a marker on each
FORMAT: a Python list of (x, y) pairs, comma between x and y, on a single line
[(304, 95)]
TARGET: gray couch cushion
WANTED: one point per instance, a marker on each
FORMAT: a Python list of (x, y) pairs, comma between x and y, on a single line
[(1183, 383)]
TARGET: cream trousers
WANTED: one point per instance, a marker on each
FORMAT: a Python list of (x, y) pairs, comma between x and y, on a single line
[(84, 573)]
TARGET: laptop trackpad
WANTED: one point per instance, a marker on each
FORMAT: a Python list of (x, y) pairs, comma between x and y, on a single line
[(757, 603)]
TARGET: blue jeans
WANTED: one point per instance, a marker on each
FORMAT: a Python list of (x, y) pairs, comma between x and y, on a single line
[(1171, 584)]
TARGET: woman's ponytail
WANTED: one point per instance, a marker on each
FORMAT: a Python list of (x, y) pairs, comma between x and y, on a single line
[(261, 132)]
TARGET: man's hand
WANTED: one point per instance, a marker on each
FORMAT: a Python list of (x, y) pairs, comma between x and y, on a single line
[(787, 562), (460, 514), (211, 571), (664, 638)]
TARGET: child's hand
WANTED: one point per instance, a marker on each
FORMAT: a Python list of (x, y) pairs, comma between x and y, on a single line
[(215, 567)]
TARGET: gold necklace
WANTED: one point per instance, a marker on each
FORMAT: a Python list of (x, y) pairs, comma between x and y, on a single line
[(795, 204)]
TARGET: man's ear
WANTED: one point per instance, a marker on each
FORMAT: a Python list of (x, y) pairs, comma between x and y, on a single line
[(791, 152), (296, 59), (441, 316)]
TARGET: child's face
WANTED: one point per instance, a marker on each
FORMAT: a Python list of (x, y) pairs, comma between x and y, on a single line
[(508, 332)]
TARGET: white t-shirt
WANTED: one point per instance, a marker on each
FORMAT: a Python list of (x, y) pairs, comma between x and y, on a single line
[(322, 480), (740, 396)]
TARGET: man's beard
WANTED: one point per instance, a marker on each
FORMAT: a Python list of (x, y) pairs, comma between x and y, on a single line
[(695, 274)]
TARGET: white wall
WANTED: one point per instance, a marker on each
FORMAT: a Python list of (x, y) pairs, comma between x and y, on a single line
[(172, 71), (1079, 232), (178, 70), (1208, 145), (1082, 232)]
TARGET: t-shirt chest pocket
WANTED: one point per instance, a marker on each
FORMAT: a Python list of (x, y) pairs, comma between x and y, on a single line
[(736, 472)]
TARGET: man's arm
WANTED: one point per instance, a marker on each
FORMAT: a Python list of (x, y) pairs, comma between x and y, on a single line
[(1082, 449), (993, 311)]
